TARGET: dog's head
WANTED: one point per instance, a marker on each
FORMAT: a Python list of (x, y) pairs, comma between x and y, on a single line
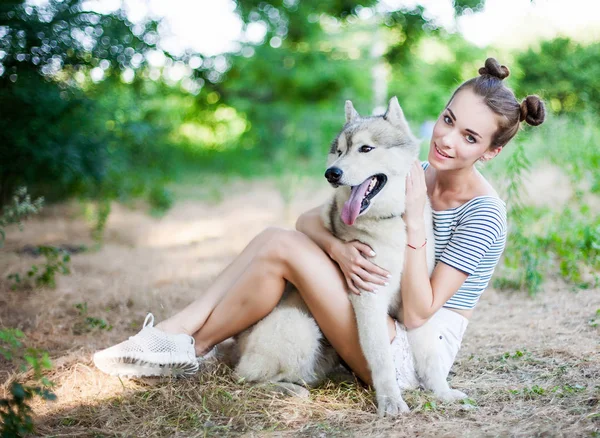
[(369, 159)]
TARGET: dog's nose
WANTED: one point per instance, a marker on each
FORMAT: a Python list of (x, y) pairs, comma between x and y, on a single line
[(333, 174)]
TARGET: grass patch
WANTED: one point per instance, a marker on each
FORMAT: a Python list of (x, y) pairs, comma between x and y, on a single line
[(87, 323), (216, 403)]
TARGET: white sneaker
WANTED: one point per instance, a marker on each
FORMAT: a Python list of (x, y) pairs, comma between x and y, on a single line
[(151, 352)]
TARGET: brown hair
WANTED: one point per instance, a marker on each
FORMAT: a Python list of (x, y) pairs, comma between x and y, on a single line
[(502, 101)]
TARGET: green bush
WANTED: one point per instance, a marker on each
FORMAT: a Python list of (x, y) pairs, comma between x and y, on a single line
[(104, 144), (160, 199), (565, 73), (543, 243), (63, 135), (56, 262), (425, 81), (88, 323), (15, 411), (20, 208), (56, 259), (546, 241), (296, 113)]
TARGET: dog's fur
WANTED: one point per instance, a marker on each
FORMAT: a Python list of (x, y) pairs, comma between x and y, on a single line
[(287, 345)]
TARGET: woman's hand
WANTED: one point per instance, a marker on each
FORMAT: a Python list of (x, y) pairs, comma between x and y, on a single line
[(416, 196), (360, 273)]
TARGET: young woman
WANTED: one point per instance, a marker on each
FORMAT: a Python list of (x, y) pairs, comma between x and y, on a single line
[(481, 117)]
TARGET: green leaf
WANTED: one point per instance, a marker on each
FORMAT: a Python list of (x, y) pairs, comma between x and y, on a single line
[(18, 392)]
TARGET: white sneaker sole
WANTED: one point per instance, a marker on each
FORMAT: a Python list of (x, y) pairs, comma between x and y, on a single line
[(134, 367)]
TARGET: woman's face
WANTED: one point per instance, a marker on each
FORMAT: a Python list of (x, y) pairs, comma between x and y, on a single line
[(463, 133)]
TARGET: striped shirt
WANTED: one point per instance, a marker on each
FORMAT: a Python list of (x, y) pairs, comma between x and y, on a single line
[(470, 238)]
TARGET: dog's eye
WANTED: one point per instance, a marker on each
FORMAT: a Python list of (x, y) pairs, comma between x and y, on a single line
[(339, 153), (366, 148)]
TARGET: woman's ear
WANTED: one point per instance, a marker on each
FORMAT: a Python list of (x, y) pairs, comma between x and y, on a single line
[(491, 153)]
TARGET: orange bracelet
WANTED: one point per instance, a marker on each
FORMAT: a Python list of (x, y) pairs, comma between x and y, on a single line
[(417, 247)]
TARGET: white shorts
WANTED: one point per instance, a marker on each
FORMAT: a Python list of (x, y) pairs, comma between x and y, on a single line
[(446, 327)]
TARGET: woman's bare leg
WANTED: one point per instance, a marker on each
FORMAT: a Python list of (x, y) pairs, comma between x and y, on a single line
[(292, 256), (191, 318)]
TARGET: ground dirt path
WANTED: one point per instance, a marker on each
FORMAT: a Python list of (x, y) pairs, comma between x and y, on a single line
[(530, 365)]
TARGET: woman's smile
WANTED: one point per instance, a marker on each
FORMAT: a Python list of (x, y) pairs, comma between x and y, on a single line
[(439, 152)]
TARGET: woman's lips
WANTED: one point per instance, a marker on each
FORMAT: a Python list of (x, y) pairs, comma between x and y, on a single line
[(439, 152)]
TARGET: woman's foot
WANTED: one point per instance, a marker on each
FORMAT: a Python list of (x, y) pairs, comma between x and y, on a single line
[(151, 352)]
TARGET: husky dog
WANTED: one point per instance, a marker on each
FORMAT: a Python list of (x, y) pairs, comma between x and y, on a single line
[(368, 164)]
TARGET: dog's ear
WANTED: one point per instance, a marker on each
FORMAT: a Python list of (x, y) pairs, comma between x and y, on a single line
[(394, 114), (351, 113)]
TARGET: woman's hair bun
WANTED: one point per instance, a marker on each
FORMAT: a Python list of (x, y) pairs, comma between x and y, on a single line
[(493, 68), (533, 110)]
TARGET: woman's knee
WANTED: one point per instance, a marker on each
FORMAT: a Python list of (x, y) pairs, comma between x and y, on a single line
[(280, 244)]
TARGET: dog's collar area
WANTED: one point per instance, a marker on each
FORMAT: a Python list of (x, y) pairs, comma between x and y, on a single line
[(391, 216)]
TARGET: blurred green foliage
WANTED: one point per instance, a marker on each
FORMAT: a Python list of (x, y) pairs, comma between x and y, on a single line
[(547, 240), (88, 323), (53, 133), (56, 262), (565, 73), (63, 134), (15, 410), (298, 110), (425, 82), (295, 20), (19, 209)]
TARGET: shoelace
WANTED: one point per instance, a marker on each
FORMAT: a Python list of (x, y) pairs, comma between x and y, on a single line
[(151, 318), (149, 321)]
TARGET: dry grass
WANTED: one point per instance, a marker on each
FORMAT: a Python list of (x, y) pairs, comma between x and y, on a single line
[(530, 366)]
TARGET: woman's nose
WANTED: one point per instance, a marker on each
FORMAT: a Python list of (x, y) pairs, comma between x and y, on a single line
[(448, 139), (452, 137)]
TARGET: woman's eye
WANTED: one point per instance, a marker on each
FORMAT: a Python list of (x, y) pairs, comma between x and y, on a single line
[(470, 138), (448, 120), (366, 149)]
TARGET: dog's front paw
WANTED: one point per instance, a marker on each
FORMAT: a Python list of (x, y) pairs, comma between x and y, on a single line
[(287, 388), (452, 395), (388, 406)]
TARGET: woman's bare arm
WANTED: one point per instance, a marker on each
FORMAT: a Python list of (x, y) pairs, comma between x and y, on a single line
[(310, 223), (422, 296), (350, 256)]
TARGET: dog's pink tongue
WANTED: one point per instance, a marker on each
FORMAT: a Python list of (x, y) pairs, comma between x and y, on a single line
[(351, 207)]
